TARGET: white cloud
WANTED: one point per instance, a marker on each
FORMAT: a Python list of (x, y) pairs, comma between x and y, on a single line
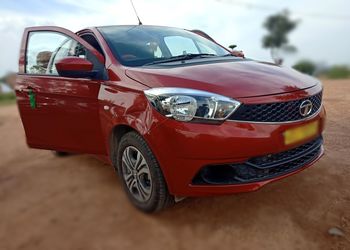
[(11, 29)]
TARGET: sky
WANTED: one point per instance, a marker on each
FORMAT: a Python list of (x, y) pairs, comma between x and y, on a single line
[(323, 33)]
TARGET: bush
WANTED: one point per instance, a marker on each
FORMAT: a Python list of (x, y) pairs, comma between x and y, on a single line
[(7, 98), (305, 66), (338, 72)]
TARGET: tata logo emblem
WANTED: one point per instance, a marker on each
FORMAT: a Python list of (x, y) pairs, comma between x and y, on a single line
[(305, 108)]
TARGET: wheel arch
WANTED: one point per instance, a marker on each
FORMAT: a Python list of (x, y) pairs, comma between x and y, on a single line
[(117, 132)]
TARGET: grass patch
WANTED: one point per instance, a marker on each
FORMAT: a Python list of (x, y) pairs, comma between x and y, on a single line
[(338, 72), (7, 98)]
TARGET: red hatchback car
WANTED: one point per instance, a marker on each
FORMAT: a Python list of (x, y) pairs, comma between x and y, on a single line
[(175, 113)]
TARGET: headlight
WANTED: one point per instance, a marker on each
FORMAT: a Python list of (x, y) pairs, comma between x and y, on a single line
[(188, 104)]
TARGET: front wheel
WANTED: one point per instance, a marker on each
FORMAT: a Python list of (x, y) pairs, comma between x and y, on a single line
[(141, 175)]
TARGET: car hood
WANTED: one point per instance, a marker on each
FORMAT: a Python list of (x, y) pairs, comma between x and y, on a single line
[(235, 78)]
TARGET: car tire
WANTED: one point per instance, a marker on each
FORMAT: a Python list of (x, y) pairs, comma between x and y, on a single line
[(141, 176)]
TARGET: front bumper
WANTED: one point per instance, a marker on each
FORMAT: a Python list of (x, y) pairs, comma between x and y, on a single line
[(183, 149), (260, 168)]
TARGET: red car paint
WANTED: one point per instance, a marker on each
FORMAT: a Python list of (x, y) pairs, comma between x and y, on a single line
[(81, 115), (74, 63)]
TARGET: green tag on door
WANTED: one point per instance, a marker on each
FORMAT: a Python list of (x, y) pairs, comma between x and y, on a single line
[(32, 100)]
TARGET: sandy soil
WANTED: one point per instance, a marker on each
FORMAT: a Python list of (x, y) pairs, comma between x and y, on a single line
[(77, 202)]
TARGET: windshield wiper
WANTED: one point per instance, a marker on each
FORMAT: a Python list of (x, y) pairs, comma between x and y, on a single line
[(181, 58)]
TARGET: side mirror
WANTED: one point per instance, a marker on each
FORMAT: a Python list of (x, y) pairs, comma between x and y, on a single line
[(238, 53), (75, 67)]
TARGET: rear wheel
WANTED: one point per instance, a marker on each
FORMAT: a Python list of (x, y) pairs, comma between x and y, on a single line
[(60, 153), (141, 175)]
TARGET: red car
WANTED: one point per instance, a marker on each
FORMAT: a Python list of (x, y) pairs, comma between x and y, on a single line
[(174, 113)]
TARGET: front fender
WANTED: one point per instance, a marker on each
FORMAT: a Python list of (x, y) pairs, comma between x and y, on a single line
[(128, 106)]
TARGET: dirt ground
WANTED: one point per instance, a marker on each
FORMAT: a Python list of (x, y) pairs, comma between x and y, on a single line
[(77, 202)]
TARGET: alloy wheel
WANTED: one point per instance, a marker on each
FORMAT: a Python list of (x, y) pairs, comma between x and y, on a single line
[(136, 174)]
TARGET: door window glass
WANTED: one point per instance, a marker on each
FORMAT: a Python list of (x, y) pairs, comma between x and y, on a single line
[(46, 48), (40, 48)]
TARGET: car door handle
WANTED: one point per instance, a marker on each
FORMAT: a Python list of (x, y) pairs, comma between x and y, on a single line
[(25, 89)]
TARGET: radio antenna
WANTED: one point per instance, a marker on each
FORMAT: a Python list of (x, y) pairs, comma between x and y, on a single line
[(140, 23)]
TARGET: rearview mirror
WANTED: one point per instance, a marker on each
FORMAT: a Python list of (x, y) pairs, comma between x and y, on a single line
[(75, 67)]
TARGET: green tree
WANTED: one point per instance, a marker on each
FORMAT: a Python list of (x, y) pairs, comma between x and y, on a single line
[(305, 66), (279, 26), (232, 46)]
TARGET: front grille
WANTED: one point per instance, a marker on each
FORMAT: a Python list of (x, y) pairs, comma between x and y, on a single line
[(276, 112), (260, 168)]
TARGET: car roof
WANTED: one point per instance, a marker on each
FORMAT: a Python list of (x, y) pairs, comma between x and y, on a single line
[(124, 25), (136, 25)]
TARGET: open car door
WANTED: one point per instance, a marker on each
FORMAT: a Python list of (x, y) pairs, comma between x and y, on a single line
[(59, 113)]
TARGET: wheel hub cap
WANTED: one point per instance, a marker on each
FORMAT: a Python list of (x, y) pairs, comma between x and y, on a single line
[(136, 174)]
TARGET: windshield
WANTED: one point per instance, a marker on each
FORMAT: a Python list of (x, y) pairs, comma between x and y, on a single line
[(140, 45)]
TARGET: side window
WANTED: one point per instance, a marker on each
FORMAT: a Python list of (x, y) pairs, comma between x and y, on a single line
[(93, 42), (41, 46), (46, 48), (179, 45)]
